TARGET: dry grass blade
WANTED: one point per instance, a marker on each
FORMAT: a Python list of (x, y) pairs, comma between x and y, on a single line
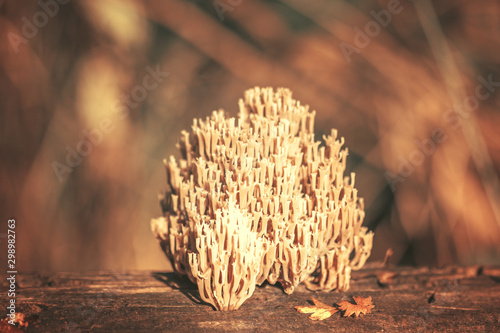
[(470, 128)]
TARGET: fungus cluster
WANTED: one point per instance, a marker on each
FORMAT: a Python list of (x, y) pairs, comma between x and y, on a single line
[(257, 198)]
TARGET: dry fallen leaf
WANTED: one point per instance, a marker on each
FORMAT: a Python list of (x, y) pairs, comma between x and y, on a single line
[(320, 311), (6, 327), (384, 278), (20, 319), (363, 305)]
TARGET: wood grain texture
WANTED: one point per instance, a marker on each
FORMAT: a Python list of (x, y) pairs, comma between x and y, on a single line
[(418, 299)]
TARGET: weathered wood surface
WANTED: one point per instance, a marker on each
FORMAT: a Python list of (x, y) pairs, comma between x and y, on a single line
[(418, 299)]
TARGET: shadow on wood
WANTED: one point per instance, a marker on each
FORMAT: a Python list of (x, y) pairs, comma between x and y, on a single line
[(181, 283)]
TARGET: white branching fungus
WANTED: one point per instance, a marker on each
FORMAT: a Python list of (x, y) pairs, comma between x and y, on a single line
[(257, 198)]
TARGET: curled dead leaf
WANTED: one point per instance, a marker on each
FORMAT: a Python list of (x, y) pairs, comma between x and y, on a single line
[(320, 311), (20, 320), (6, 327), (384, 278)]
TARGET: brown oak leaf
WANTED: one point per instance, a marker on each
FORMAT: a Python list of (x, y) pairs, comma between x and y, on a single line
[(320, 311), (362, 306)]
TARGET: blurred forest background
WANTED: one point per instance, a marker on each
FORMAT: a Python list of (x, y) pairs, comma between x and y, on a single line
[(416, 99)]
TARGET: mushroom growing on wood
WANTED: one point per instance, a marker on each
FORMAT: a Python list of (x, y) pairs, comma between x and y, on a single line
[(257, 198)]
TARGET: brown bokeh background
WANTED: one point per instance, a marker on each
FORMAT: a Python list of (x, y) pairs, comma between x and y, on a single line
[(388, 101)]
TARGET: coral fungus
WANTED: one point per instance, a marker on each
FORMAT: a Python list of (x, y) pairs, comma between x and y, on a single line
[(257, 198)]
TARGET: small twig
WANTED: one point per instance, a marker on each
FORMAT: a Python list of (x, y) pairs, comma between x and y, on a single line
[(388, 256), (453, 308)]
